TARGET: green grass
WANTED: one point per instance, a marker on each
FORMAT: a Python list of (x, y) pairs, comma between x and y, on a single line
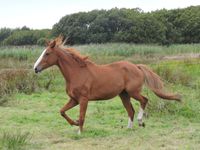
[(14, 140), (185, 72), (106, 121), (32, 120)]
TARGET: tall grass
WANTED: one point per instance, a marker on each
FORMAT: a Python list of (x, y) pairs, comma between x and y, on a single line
[(123, 49), (14, 140), (104, 53), (20, 53)]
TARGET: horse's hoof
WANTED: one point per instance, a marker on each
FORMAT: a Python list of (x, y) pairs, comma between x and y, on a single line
[(142, 124), (76, 123)]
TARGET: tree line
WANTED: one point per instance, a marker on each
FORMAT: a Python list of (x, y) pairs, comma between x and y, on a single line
[(132, 25), (23, 36), (117, 25)]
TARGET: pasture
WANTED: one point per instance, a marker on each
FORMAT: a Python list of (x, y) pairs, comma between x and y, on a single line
[(30, 104)]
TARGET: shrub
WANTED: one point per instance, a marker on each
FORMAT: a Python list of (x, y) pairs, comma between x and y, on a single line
[(15, 81), (22, 81), (24, 37)]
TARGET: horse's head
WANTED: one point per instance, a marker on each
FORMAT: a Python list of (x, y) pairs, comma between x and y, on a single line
[(47, 58)]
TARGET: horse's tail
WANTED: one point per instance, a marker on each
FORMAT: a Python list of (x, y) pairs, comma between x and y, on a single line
[(154, 82)]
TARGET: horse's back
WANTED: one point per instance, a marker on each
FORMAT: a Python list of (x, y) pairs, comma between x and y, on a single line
[(126, 67), (132, 75)]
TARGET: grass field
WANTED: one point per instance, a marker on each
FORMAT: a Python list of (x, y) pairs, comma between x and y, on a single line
[(30, 104)]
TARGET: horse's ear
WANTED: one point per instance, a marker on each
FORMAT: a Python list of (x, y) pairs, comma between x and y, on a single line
[(52, 44), (47, 42), (59, 40)]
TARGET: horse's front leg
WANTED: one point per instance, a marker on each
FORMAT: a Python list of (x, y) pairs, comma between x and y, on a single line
[(83, 107), (72, 103)]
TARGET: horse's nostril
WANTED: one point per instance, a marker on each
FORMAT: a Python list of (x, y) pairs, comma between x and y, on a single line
[(36, 71)]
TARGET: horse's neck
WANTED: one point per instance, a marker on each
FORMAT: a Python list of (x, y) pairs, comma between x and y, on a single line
[(68, 68)]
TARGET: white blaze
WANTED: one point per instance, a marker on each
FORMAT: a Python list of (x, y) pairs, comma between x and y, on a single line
[(39, 59)]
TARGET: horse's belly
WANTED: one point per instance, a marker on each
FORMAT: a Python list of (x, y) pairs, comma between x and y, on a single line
[(107, 91), (105, 96)]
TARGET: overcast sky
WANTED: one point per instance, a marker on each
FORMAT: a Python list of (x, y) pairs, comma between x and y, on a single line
[(39, 14)]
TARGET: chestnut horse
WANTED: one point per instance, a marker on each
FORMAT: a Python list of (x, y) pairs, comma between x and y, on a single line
[(87, 81)]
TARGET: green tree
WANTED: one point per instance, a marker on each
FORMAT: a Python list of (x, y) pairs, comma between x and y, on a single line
[(4, 33)]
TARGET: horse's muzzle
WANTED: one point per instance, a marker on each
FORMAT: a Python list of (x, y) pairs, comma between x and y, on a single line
[(38, 69)]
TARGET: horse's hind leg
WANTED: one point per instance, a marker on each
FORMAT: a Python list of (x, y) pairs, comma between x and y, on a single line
[(129, 108), (143, 101)]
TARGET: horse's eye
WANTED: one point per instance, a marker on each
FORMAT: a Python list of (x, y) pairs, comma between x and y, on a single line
[(47, 54)]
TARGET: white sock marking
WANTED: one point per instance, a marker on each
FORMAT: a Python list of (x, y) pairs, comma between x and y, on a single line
[(130, 123), (39, 59), (140, 114), (79, 132)]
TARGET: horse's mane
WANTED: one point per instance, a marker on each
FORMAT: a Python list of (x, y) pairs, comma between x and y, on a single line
[(80, 59)]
